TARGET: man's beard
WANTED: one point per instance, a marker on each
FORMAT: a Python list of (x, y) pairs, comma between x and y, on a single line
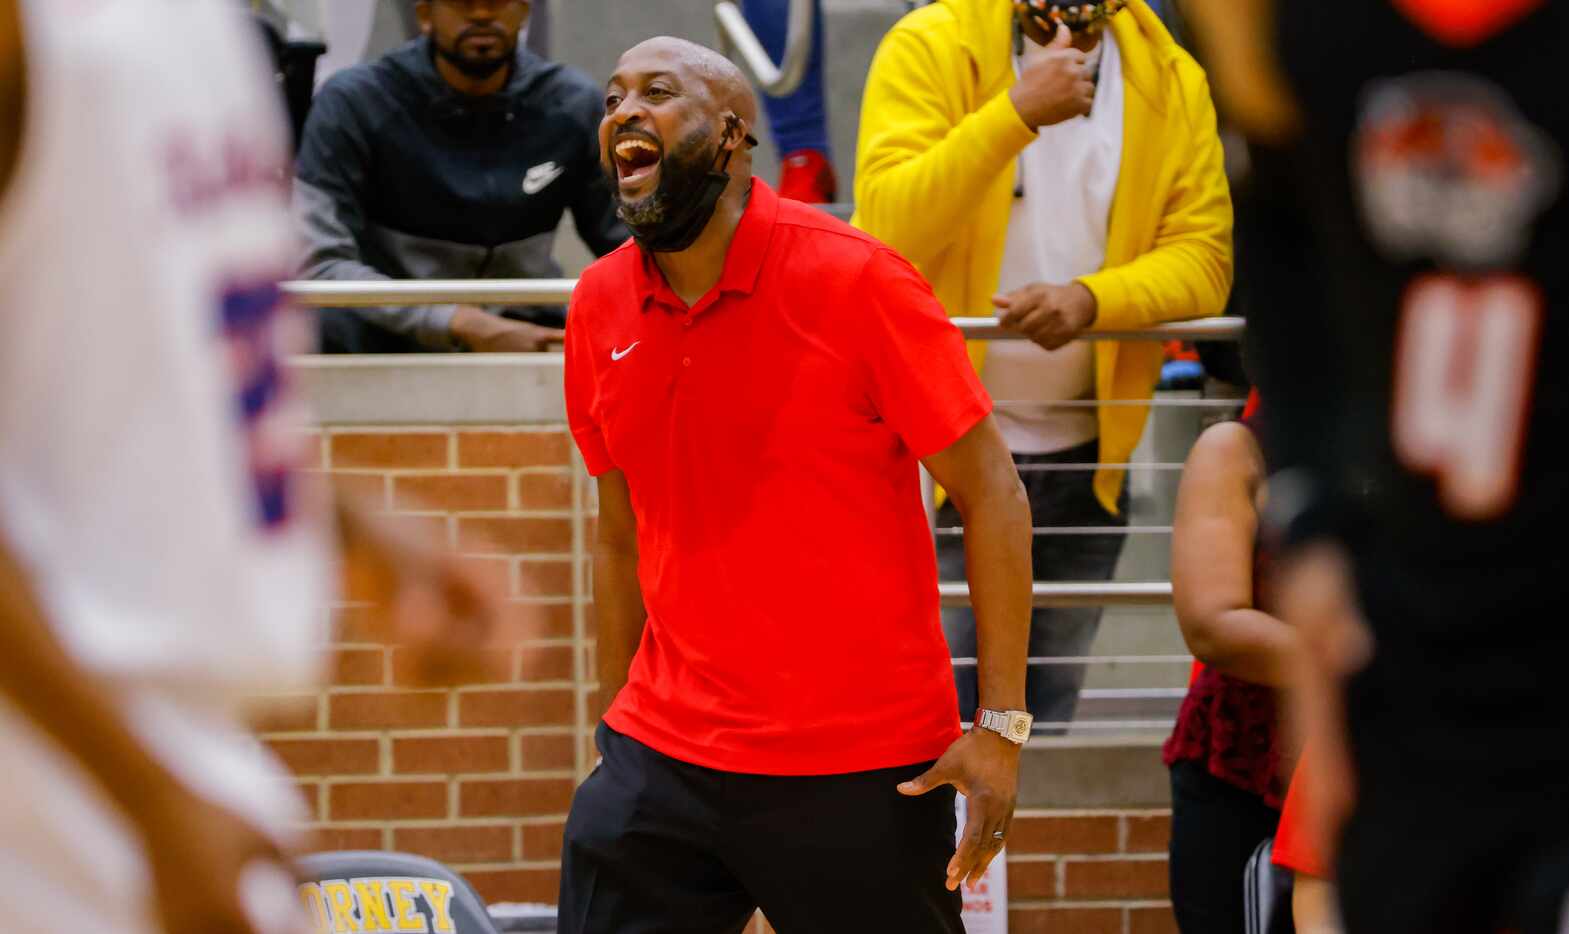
[(472, 67), (682, 171)]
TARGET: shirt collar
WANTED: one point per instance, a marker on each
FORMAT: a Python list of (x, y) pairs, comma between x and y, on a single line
[(743, 261)]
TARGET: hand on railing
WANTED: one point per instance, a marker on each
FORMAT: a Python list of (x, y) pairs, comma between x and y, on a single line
[(1074, 593), (1050, 315), (476, 329)]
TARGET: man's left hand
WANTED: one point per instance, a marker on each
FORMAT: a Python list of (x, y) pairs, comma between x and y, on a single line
[(984, 767), (1049, 315)]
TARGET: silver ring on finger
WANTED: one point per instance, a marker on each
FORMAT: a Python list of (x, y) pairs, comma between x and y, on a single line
[(997, 835)]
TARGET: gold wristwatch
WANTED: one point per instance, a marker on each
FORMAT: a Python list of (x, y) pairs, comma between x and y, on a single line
[(1011, 725)]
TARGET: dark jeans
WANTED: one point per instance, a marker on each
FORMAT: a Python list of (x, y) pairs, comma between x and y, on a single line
[(658, 845), (1057, 498), (1215, 827), (345, 330)]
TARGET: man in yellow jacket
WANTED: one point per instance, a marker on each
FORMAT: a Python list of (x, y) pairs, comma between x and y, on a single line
[(1058, 165)]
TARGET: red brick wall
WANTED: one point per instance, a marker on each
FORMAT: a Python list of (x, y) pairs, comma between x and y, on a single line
[(478, 777), (481, 777), (1089, 872)]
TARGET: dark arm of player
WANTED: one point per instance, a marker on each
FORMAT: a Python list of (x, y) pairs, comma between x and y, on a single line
[(978, 472), (618, 596), (196, 850), (1212, 547), (72, 707), (12, 90)]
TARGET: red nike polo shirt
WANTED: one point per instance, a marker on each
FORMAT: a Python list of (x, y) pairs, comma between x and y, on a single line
[(769, 436)]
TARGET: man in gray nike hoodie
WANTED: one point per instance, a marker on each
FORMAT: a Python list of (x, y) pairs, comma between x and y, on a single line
[(454, 156)]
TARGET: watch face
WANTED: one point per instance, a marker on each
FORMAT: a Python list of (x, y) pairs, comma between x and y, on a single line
[(1020, 728)]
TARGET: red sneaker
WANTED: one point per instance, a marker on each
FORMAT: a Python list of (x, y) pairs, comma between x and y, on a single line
[(807, 176)]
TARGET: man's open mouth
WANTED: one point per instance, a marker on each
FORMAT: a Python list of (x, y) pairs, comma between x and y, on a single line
[(637, 161)]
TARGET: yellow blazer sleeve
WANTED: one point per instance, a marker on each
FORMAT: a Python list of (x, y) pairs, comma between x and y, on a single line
[(923, 161), (1187, 274)]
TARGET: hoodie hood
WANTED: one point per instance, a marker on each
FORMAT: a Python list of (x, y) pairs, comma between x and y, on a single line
[(986, 31)]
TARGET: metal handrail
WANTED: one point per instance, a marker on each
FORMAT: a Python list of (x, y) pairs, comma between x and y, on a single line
[(1097, 593), (390, 292), (737, 38), (1202, 329)]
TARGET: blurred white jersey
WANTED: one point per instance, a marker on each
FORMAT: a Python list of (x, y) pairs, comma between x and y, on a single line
[(146, 438)]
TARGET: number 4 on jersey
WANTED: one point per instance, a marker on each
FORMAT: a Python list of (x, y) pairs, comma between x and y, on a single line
[(1465, 363)]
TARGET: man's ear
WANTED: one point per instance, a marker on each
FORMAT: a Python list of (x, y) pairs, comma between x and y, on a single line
[(422, 14), (737, 134)]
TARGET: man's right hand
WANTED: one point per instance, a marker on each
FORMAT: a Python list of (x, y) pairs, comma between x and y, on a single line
[(483, 332), (201, 856), (1054, 87)]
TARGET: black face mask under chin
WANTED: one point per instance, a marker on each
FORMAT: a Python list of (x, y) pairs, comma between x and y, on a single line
[(685, 221)]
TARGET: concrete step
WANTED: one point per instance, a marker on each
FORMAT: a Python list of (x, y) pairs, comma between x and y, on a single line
[(1089, 773), (1139, 704)]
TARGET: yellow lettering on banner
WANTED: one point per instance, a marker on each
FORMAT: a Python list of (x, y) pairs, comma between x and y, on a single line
[(402, 892), (373, 907), (315, 908), (438, 895), (340, 898)]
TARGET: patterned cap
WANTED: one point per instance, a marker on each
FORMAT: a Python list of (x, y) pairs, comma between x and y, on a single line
[(1075, 14)]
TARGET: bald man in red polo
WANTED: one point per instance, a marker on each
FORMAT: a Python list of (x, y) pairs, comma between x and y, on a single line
[(754, 384)]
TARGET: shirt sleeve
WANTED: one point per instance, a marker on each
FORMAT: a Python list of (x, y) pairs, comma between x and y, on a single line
[(920, 378), (582, 389)]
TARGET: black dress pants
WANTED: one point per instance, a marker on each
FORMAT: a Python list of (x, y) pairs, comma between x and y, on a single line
[(1215, 827), (658, 846)]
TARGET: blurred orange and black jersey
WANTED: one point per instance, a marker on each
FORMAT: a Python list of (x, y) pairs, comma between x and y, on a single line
[(1405, 259)]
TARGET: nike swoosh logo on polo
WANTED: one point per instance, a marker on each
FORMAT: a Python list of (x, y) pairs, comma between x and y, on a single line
[(538, 178), (618, 354)]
